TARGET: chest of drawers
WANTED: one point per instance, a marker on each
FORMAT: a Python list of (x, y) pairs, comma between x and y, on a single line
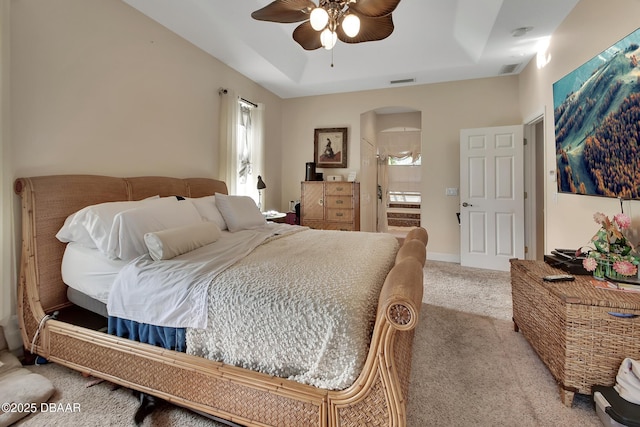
[(330, 205)]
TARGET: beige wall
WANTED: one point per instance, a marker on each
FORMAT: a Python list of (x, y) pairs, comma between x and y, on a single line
[(98, 88), (445, 109), (7, 260), (409, 121), (592, 27)]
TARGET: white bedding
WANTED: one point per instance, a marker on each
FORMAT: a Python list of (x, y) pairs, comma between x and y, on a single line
[(173, 293), (299, 306), (89, 271)]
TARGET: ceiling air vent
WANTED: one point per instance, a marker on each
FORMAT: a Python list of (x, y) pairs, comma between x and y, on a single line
[(509, 68), (396, 82)]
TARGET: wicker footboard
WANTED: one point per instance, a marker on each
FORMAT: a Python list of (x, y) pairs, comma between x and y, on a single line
[(377, 398)]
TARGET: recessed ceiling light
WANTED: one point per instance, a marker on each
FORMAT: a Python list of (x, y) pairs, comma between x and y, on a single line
[(519, 32)]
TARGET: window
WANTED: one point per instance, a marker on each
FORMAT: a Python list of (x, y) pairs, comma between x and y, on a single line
[(405, 161), (241, 145)]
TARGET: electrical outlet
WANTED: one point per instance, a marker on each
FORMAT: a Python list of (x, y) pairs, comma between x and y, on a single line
[(451, 192)]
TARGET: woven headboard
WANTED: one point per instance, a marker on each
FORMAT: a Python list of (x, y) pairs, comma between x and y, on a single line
[(48, 200)]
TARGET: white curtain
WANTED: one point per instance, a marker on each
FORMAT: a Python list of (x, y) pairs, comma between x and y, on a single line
[(250, 150), (258, 153), (229, 109), (399, 144), (244, 144), (241, 144), (392, 144)]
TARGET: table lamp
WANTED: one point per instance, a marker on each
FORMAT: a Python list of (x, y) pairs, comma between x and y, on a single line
[(261, 186)]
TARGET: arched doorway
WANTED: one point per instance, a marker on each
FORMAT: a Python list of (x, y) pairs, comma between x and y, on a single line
[(390, 179)]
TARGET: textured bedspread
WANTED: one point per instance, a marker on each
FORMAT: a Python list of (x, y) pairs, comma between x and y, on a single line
[(300, 307)]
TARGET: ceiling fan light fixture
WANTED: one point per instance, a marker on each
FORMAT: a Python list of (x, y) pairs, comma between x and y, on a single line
[(324, 22), (328, 39), (351, 25), (318, 18)]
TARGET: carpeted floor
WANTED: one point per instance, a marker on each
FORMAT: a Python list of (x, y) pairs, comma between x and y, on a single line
[(469, 368)]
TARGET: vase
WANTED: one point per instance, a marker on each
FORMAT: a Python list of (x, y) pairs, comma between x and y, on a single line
[(604, 268)]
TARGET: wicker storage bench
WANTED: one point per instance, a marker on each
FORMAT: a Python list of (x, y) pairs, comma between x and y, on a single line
[(580, 332)]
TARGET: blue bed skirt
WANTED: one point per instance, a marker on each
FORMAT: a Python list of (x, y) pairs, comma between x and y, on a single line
[(169, 338)]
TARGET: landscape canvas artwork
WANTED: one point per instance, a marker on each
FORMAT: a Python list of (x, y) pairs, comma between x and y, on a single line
[(597, 124)]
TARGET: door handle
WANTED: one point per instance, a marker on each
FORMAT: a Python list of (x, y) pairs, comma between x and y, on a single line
[(465, 204)]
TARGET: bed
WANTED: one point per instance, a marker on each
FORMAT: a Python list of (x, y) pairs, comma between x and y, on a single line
[(377, 395)]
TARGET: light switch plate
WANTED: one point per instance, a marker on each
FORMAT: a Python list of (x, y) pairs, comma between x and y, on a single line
[(451, 192)]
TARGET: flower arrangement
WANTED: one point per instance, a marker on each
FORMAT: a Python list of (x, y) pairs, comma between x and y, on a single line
[(611, 247)]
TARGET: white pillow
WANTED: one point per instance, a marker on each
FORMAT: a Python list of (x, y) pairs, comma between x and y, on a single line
[(239, 212), (91, 226), (209, 211), (170, 243), (126, 240)]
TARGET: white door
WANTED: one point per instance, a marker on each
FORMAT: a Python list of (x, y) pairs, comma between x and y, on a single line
[(491, 197)]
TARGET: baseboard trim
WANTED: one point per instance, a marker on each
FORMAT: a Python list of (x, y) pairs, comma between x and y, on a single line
[(436, 256)]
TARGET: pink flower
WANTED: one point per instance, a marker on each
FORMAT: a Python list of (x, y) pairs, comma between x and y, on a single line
[(622, 220), (625, 268), (589, 264), (599, 218)]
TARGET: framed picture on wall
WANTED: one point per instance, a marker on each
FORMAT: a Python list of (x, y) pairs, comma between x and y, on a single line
[(330, 147)]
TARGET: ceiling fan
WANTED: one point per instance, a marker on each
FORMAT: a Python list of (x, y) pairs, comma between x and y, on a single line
[(351, 21)]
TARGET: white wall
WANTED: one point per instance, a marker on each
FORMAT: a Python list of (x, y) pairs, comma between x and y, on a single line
[(592, 27)]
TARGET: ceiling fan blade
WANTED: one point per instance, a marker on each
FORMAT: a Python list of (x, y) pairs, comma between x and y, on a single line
[(371, 29), (307, 37), (374, 8), (285, 11)]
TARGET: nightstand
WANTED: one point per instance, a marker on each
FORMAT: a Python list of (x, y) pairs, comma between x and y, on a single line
[(276, 217), (292, 218)]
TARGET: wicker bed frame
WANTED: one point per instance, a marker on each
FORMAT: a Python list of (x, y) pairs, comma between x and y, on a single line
[(377, 398)]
